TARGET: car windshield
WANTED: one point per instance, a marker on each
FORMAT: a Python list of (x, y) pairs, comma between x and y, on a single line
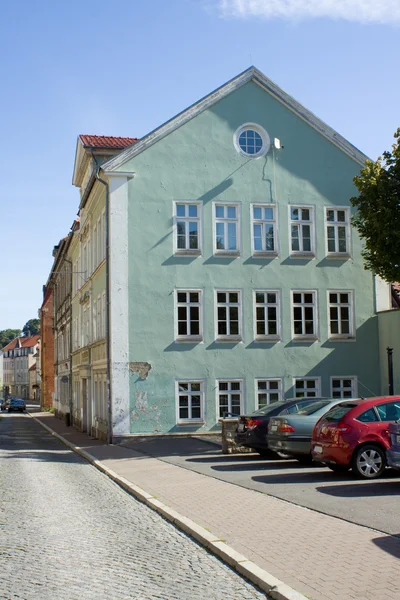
[(312, 408), (338, 412), (265, 410)]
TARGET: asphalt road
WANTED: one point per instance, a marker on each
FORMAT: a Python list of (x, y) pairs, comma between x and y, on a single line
[(374, 504), (67, 532)]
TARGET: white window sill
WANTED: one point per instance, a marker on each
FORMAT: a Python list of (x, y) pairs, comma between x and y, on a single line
[(227, 253), (194, 339), (302, 254), (342, 338), (229, 338), (268, 338), (191, 422), (305, 338), (260, 254), (338, 255), (188, 252)]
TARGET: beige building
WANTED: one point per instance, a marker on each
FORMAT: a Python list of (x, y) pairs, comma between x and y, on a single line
[(19, 357)]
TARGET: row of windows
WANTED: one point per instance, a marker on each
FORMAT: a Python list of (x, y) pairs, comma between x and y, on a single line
[(189, 322), (18, 352), (264, 229), (90, 325), (92, 253), (190, 394)]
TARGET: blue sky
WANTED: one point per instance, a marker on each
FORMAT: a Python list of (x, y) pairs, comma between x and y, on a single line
[(124, 67)]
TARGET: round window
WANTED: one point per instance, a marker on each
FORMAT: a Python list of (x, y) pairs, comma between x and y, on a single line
[(251, 140)]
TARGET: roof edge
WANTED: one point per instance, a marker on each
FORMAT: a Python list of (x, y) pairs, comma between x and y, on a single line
[(250, 74)]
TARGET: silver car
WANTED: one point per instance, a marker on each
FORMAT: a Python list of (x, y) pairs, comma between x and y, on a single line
[(291, 434)]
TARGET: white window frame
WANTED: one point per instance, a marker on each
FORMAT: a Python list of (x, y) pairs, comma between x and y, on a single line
[(266, 337), (354, 385), (227, 337), (262, 133), (300, 222), (198, 220), (342, 336), (336, 224), (317, 386), (94, 247), (189, 337), (103, 235), (268, 391), (304, 336), (103, 314), (201, 393), (226, 221), (94, 321), (230, 392), (263, 223)]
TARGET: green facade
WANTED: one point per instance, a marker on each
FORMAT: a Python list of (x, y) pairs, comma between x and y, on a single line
[(199, 162)]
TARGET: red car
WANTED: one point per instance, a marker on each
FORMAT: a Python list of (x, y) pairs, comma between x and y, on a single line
[(355, 434)]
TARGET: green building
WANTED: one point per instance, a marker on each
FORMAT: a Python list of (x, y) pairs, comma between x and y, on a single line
[(234, 275)]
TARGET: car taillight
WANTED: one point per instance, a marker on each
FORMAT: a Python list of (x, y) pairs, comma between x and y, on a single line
[(253, 423), (344, 429), (286, 428)]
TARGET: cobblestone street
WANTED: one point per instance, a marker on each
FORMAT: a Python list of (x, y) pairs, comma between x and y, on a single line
[(67, 532)]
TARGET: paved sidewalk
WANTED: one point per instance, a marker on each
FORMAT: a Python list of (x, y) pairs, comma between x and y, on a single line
[(322, 557)]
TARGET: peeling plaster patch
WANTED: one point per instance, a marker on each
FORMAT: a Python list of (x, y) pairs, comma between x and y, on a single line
[(142, 368), (141, 401)]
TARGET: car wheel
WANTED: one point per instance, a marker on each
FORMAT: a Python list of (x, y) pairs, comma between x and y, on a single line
[(338, 468), (369, 461)]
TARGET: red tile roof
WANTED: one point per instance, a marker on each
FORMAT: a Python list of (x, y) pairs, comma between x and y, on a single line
[(106, 141), (26, 342)]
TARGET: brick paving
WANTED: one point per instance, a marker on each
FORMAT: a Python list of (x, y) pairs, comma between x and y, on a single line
[(322, 557), (67, 532)]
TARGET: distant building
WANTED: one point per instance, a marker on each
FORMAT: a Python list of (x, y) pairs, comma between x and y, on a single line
[(47, 348), (18, 358), (1, 372)]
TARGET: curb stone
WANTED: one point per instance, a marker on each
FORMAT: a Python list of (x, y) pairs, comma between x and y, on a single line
[(276, 589)]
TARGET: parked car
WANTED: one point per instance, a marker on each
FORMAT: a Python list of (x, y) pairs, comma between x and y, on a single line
[(292, 434), (393, 453), (355, 435), (251, 430), (16, 404)]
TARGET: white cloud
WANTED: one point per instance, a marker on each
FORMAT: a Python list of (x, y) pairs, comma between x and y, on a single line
[(362, 11)]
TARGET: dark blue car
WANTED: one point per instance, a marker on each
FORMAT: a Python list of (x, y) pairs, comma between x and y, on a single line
[(17, 405)]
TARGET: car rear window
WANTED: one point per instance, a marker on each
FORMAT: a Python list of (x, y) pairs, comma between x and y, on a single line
[(265, 410), (337, 412), (312, 408)]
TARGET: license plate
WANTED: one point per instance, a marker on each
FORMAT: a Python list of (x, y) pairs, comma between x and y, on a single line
[(318, 449), (241, 427), (274, 428)]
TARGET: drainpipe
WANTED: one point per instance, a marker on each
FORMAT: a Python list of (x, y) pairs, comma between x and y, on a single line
[(108, 340), (70, 343)]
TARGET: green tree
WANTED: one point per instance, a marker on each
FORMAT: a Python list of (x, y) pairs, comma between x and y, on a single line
[(32, 327), (7, 335), (378, 213)]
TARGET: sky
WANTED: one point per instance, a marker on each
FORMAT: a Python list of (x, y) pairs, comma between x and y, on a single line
[(125, 67)]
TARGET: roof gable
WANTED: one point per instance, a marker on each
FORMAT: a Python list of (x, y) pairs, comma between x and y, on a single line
[(251, 74)]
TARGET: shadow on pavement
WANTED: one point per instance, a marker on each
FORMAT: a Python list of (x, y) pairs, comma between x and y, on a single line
[(319, 476), (363, 489), (257, 466), (390, 544)]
